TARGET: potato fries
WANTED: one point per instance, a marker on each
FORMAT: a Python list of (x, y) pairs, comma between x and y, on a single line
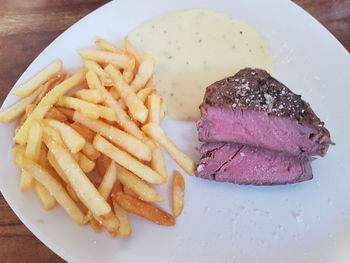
[(178, 188), (17, 109), (80, 141), (134, 104), (138, 186), (156, 132), (73, 140), (127, 161), (117, 136), (33, 84), (45, 104), (55, 188), (143, 209)]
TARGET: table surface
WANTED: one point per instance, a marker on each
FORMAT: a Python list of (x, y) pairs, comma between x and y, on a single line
[(27, 27)]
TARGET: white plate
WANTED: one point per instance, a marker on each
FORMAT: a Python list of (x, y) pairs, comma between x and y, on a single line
[(307, 222)]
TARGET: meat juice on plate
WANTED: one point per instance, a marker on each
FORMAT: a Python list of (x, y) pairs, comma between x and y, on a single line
[(194, 48)]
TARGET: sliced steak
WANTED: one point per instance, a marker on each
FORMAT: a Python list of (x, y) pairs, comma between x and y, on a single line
[(242, 164), (253, 108)]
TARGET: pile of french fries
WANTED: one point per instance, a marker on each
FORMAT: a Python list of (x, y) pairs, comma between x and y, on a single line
[(92, 142)]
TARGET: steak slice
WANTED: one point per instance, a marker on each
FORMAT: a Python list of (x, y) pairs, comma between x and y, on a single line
[(253, 108), (242, 164)]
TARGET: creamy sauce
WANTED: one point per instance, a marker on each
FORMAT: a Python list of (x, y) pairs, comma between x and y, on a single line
[(195, 48)]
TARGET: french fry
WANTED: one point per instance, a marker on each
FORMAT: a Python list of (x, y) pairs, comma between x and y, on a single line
[(144, 72), (96, 226), (50, 84), (103, 163), (55, 114), (55, 188), (68, 112), (85, 190), (88, 109), (32, 151), (127, 161), (145, 92), (178, 188), (34, 83), (108, 46), (143, 209), (131, 51), (122, 117), (54, 135), (153, 105), (138, 186), (88, 134), (72, 139), (16, 110), (157, 133), (119, 60), (114, 92), (45, 104), (57, 168), (90, 151), (158, 162), (89, 95), (107, 183), (135, 105), (128, 191), (163, 110), (124, 224), (28, 111), (72, 193), (128, 142), (93, 66), (109, 221), (86, 164), (47, 200), (128, 73)]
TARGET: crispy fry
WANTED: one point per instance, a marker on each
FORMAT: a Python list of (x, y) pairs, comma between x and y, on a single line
[(90, 151), (96, 226), (138, 186), (50, 84), (28, 111), (127, 161), (122, 117), (93, 66), (72, 193), (131, 51), (153, 105), (156, 132), (158, 162), (85, 190), (72, 139), (145, 92), (68, 112), (45, 104), (143, 209), (128, 191), (124, 224), (128, 73), (118, 137), (108, 46), (86, 164), (88, 109), (57, 168), (88, 134), (55, 189), (17, 109), (119, 60), (107, 183), (178, 193), (90, 95), (47, 200), (144, 72), (55, 114), (102, 164), (34, 83), (134, 104)]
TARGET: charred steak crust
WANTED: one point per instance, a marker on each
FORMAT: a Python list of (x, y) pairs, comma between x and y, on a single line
[(255, 89)]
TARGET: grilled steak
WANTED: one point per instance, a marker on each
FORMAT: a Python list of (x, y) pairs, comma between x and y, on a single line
[(253, 108), (242, 164), (257, 131)]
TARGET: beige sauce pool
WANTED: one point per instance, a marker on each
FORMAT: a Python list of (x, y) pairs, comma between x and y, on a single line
[(195, 48)]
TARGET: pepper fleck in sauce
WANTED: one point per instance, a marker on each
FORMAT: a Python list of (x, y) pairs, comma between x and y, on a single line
[(195, 48)]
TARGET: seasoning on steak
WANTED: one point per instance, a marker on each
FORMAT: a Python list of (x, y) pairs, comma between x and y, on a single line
[(242, 164), (253, 108)]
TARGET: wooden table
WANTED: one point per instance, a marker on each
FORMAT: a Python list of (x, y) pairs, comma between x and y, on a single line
[(27, 27)]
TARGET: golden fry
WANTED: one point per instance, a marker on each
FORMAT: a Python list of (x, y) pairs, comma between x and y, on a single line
[(178, 188), (119, 60), (144, 72), (90, 95)]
